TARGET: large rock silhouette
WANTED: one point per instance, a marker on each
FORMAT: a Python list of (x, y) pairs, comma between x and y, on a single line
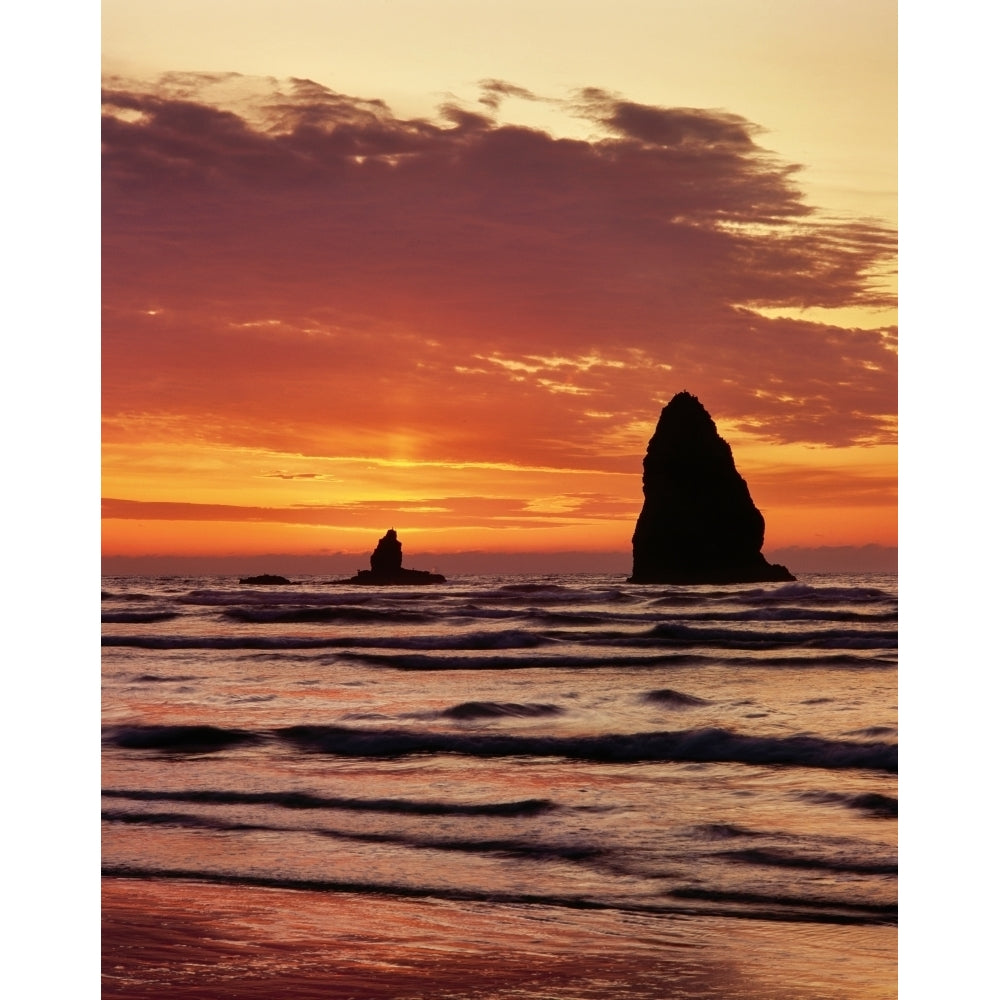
[(387, 566), (698, 523)]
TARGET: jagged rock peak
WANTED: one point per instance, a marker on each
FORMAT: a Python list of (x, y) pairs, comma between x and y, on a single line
[(698, 522)]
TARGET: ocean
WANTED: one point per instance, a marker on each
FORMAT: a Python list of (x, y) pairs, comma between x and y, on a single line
[(500, 787)]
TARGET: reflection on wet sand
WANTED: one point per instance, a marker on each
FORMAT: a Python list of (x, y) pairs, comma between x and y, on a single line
[(190, 940)]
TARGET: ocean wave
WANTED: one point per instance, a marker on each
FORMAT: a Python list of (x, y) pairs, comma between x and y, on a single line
[(874, 732), (886, 910), (323, 614), (249, 597), (696, 746), (221, 642), (668, 633), (497, 710), (137, 617), (430, 661), (685, 596), (784, 594), (769, 613), (178, 819), (699, 745), (163, 679), (788, 593), (725, 831), (609, 659), (543, 616), (673, 699), (180, 739), (784, 911), (881, 806), (521, 849), (534, 615), (518, 650), (510, 848), (853, 660), (774, 858), (508, 639), (306, 800), (554, 593), (806, 592)]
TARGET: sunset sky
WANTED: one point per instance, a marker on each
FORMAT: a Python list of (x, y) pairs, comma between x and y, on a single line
[(438, 265)]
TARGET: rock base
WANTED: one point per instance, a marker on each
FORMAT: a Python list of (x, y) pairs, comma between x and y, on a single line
[(399, 578)]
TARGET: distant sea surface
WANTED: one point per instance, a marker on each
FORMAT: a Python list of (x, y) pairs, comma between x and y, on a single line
[(531, 787)]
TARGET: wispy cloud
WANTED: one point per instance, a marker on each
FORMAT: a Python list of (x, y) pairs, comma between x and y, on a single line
[(434, 512)]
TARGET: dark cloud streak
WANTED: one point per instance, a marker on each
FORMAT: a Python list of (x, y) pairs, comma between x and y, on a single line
[(446, 511)]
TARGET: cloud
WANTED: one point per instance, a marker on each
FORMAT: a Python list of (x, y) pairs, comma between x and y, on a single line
[(493, 92), (281, 249), (441, 512), (668, 128)]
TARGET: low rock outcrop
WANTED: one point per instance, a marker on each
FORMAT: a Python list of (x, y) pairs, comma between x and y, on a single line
[(698, 523), (387, 567), (265, 578)]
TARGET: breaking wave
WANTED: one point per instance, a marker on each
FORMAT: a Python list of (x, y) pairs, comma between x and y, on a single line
[(306, 800), (321, 615), (883, 806), (684, 635), (673, 699), (769, 907), (698, 745), (784, 859), (137, 617), (510, 639), (498, 710), (180, 739), (611, 660)]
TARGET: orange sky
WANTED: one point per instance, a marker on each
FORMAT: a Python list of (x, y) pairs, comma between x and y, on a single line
[(451, 293)]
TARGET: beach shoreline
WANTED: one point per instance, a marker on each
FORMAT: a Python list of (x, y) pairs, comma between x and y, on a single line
[(195, 941), (541, 789)]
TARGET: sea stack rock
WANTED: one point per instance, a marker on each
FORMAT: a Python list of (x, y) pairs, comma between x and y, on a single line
[(387, 566), (698, 523), (388, 555)]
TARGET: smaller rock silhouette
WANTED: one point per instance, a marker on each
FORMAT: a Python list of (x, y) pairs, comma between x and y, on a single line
[(387, 566), (698, 523)]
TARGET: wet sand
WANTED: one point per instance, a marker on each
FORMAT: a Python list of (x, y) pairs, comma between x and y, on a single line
[(193, 941)]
